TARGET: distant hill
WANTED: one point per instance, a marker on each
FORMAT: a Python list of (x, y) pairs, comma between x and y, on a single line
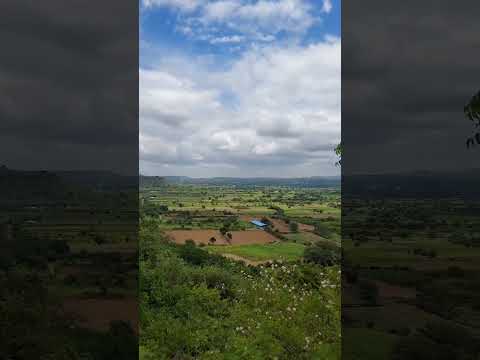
[(99, 180), (18, 187), (317, 181), (416, 185), (151, 181)]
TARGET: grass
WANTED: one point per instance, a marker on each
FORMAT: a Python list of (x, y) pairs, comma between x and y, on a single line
[(261, 252), (382, 253)]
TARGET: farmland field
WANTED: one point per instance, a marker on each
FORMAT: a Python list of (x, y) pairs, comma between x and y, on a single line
[(68, 266), (279, 251), (230, 290), (410, 277)]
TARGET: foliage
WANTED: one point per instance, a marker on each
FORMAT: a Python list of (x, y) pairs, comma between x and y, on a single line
[(323, 254), (338, 152), (216, 308), (472, 113), (293, 227)]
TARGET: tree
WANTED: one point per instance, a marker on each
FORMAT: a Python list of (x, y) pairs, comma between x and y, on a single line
[(293, 227), (212, 240), (322, 254), (223, 230), (338, 152), (472, 113)]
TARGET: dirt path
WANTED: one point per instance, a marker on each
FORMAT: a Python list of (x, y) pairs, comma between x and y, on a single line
[(245, 260)]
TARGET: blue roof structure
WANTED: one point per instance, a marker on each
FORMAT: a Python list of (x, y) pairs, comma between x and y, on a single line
[(258, 223)]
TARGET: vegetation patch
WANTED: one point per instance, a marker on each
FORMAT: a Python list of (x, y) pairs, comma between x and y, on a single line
[(277, 251)]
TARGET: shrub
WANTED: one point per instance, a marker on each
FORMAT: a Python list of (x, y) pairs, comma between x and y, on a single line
[(191, 254), (293, 226), (59, 247), (322, 254)]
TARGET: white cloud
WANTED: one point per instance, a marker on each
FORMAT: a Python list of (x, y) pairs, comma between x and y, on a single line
[(259, 20), (327, 6), (183, 5), (265, 17), (168, 99), (275, 111), (220, 10), (227, 39)]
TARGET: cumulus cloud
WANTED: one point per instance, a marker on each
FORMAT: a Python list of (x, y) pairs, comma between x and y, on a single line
[(261, 16), (275, 111), (260, 20)]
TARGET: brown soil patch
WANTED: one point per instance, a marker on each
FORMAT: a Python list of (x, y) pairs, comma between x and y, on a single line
[(97, 313), (246, 218), (238, 237), (305, 227), (251, 237), (198, 236), (280, 225), (393, 291)]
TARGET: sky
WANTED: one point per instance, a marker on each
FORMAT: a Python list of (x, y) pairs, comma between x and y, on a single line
[(69, 85), (409, 68), (239, 88)]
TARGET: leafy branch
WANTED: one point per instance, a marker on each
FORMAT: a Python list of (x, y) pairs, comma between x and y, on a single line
[(472, 113)]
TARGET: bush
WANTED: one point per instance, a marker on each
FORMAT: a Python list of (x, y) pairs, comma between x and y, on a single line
[(191, 254), (322, 254), (59, 247), (293, 226)]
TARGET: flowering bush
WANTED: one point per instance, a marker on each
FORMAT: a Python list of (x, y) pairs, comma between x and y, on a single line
[(221, 309)]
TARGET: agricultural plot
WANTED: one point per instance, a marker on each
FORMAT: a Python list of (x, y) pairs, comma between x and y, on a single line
[(74, 256), (216, 216), (284, 251), (411, 277)]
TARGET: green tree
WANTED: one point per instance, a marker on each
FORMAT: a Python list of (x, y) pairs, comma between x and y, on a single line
[(338, 152), (472, 113), (293, 227)]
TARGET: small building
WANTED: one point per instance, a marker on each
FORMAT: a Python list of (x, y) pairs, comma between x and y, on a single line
[(258, 224)]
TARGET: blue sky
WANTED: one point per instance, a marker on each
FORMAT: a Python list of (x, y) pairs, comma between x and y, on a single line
[(239, 87)]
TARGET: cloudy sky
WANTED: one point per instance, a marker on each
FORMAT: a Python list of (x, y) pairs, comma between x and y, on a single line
[(409, 67), (239, 87), (68, 89)]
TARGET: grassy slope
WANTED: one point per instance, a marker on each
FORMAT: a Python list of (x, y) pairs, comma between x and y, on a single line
[(259, 252)]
